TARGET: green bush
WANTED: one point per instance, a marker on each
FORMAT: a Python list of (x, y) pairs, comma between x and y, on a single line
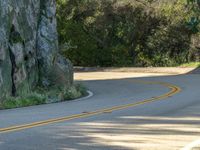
[(73, 92), (44, 96), (23, 101)]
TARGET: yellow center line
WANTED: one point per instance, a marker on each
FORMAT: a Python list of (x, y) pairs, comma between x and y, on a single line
[(173, 90)]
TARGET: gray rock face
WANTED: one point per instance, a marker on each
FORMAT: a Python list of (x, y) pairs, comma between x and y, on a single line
[(29, 47)]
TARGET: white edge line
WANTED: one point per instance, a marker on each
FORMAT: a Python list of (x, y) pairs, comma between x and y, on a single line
[(192, 145), (90, 94)]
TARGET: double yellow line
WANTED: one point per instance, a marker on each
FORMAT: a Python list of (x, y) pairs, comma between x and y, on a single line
[(173, 90)]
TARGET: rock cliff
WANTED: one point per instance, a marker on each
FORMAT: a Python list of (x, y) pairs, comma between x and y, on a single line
[(29, 47)]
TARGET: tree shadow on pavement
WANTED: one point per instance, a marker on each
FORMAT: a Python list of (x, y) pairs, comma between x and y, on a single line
[(171, 129)]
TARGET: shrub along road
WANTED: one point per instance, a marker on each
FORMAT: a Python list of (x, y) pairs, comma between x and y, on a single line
[(128, 111)]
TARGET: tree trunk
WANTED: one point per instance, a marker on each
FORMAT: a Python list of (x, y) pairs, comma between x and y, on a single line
[(29, 47)]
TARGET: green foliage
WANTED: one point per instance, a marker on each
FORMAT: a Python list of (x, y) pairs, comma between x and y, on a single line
[(23, 101), (191, 64), (81, 48), (81, 88), (56, 93), (194, 22), (44, 96), (126, 33), (73, 92)]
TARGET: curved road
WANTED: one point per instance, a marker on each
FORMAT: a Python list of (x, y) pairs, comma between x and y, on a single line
[(129, 111)]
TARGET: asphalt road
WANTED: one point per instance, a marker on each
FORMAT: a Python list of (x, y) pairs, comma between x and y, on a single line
[(126, 112)]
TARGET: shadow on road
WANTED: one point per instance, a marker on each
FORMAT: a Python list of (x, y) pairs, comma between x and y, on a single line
[(131, 132), (170, 130)]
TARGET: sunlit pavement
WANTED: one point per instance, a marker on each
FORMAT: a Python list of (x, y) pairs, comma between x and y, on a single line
[(169, 124)]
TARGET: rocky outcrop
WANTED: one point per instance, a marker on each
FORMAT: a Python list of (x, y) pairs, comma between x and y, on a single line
[(29, 47)]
